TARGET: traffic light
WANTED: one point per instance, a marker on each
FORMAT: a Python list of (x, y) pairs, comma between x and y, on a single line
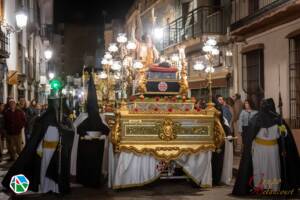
[(56, 84)]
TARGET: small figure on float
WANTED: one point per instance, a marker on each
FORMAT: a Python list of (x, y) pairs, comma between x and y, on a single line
[(147, 51), (270, 159)]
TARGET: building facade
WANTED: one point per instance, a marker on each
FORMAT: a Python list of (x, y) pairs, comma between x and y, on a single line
[(22, 52), (266, 53)]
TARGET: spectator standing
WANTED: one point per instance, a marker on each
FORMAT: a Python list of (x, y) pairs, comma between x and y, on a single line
[(14, 120), (237, 109), (31, 114), (230, 103), (225, 109), (245, 116)]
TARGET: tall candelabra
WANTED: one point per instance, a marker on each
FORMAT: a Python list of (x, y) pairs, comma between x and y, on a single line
[(211, 50)]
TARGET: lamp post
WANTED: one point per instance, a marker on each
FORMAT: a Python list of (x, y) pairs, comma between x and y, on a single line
[(21, 19), (211, 50), (118, 58)]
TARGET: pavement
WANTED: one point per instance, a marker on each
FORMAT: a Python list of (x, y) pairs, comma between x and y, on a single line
[(183, 189)]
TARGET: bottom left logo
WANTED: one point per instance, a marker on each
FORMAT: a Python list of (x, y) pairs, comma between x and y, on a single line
[(19, 184)]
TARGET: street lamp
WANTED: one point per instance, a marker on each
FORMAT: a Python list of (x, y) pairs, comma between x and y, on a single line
[(51, 75), (21, 19), (48, 54), (158, 33)]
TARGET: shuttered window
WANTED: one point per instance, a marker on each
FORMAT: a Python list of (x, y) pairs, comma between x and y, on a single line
[(294, 78), (253, 75)]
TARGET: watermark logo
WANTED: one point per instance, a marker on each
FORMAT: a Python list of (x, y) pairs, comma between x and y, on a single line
[(264, 186), (19, 184)]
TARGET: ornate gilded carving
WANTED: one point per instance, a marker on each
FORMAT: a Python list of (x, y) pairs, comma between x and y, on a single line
[(142, 81), (184, 85), (116, 131), (167, 136), (168, 129), (219, 133), (167, 153)]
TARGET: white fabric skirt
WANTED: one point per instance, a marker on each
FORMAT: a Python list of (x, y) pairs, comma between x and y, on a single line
[(266, 166)]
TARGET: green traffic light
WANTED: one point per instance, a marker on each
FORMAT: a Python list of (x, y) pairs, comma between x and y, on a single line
[(55, 84)]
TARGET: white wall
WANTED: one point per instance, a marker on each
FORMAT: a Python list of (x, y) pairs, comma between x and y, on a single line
[(276, 55)]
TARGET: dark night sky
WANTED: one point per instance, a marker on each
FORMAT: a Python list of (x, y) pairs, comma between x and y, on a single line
[(89, 11)]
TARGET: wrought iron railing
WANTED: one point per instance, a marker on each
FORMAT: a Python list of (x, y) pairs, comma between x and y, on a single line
[(203, 20), (4, 45), (246, 11)]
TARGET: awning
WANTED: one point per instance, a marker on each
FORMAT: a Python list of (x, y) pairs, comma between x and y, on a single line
[(12, 77)]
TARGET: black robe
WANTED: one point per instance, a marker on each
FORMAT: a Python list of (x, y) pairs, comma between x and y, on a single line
[(218, 155), (29, 162), (243, 184), (90, 152)]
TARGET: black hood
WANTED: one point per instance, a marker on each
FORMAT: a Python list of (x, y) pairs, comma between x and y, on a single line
[(267, 115), (94, 121)]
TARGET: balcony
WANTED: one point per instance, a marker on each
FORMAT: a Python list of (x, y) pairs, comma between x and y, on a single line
[(203, 20), (257, 15), (4, 45)]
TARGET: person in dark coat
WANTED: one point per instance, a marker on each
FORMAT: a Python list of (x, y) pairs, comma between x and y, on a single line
[(218, 155), (15, 121), (31, 161), (287, 153)]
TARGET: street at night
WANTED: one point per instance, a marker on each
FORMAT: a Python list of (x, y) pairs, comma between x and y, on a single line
[(149, 99)]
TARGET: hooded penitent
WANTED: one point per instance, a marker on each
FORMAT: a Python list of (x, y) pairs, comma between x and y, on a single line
[(289, 157), (90, 152), (94, 121), (29, 161)]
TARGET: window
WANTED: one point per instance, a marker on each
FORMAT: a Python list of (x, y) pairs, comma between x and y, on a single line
[(294, 78), (253, 75), (253, 6)]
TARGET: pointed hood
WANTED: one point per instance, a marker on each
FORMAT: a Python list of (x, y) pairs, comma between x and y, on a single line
[(94, 121)]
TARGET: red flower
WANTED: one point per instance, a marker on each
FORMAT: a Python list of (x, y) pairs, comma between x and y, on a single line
[(170, 109), (132, 98), (174, 99), (187, 109), (136, 110), (156, 109), (157, 98), (198, 109)]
